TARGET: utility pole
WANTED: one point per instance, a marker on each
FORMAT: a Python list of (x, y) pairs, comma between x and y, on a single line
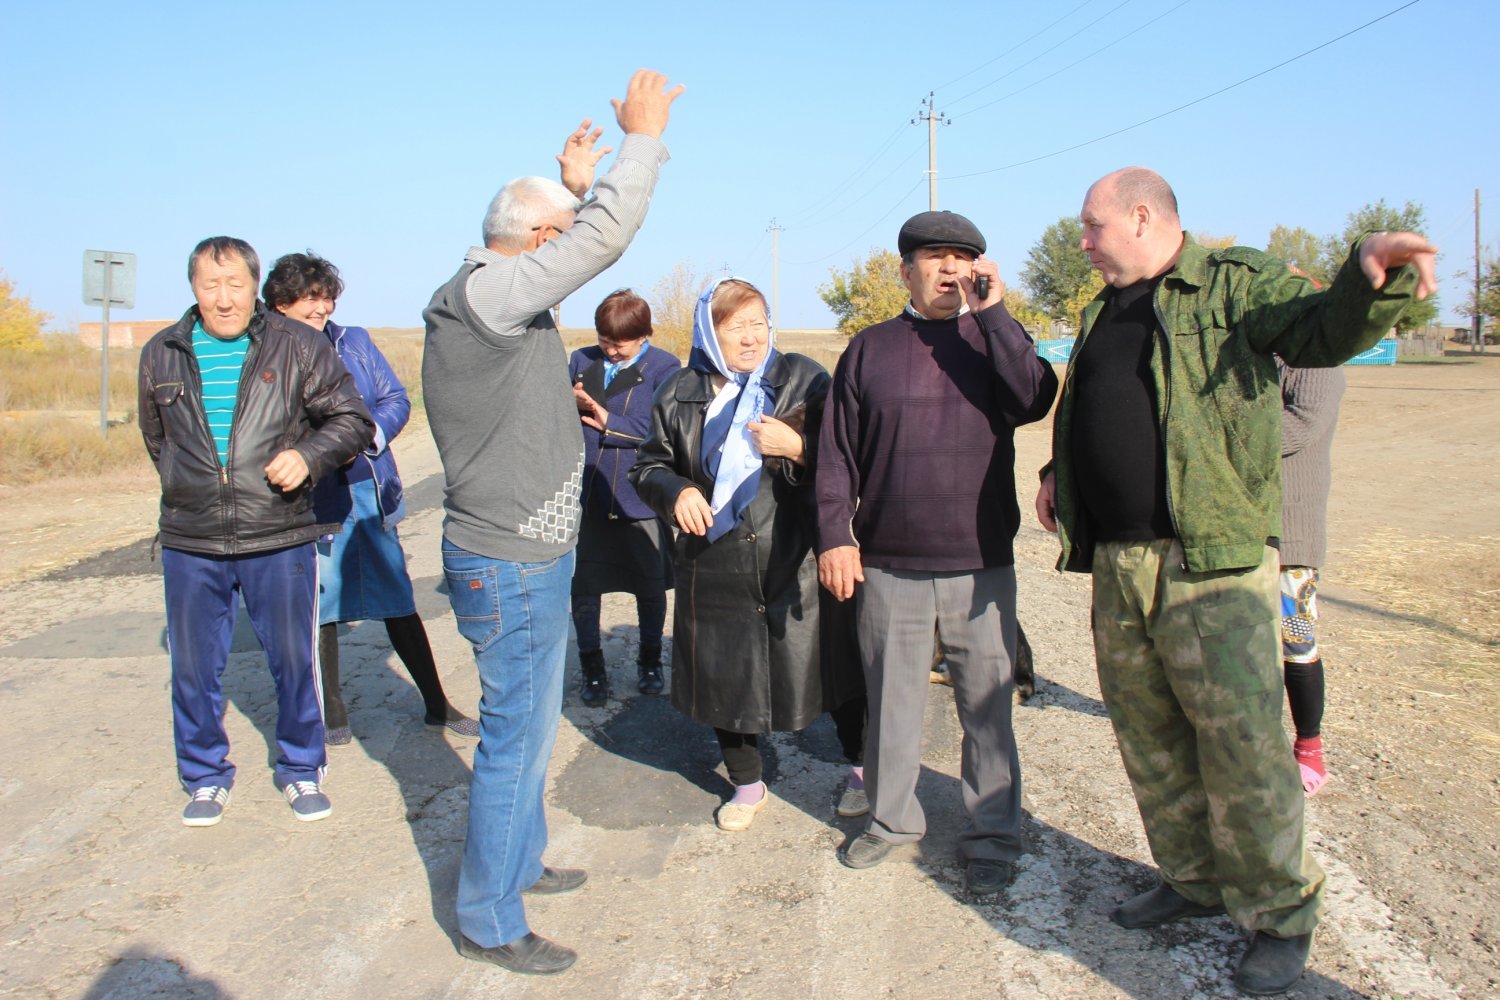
[(775, 232), (932, 118), (1478, 344)]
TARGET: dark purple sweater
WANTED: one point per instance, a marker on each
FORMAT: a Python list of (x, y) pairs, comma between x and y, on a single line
[(919, 430)]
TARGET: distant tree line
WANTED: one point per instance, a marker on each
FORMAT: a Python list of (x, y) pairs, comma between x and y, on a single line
[(1058, 280)]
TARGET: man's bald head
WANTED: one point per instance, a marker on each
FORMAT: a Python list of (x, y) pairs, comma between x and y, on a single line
[(1134, 186), (1130, 226)]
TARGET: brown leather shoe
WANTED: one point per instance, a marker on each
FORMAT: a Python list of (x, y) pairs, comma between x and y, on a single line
[(532, 955), (555, 881), (1158, 906)]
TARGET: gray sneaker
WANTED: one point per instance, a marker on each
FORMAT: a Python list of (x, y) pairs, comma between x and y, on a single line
[(206, 807), (307, 800), (854, 802)]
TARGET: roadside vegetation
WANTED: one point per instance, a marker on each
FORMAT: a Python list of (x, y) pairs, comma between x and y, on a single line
[(49, 413)]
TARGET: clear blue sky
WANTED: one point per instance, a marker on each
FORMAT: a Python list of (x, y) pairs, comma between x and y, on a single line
[(376, 133)]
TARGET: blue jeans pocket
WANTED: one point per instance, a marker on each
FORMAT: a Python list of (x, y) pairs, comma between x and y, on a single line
[(475, 597)]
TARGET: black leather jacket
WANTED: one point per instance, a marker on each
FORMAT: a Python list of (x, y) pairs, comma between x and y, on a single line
[(294, 392), (745, 636)]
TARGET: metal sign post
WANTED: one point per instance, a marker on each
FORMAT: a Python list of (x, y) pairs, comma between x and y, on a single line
[(108, 279)]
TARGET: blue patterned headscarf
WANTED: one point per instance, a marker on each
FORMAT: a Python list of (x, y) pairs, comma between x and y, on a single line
[(729, 453)]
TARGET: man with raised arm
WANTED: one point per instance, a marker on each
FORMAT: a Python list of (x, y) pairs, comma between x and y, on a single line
[(1165, 483), (495, 382)]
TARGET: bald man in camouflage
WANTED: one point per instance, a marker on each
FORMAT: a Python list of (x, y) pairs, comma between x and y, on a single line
[(1166, 485)]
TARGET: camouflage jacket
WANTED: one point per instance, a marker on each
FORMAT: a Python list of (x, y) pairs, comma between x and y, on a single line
[(1221, 316)]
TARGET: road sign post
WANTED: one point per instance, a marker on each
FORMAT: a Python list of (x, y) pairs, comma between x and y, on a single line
[(108, 279)]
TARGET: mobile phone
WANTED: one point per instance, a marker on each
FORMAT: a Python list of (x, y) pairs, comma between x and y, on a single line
[(982, 287)]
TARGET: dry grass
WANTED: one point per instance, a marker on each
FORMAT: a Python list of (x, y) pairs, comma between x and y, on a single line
[(1444, 585), (1437, 594), (42, 446), (49, 400), (49, 414), (64, 375), (403, 349)]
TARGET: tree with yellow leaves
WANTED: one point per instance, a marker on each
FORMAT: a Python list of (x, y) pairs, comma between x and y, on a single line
[(869, 292), (20, 325)]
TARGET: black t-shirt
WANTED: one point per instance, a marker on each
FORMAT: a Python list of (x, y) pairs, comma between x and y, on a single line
[(1116, 442)]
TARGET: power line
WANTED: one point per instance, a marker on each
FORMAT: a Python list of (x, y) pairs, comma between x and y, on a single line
[(818, 260), (819, 220), (848, 182), (1016, 46), (1075, 62), (1086, 27), (1189, 104)]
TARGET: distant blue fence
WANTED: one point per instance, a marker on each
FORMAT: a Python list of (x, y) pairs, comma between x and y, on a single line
[(1056, 351), (1384, 353)]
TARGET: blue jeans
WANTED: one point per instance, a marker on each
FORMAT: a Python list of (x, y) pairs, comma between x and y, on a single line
[(516, 617)]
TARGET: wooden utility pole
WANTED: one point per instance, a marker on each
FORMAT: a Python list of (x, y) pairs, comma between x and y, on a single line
[(932, 118), (1478, 343), (775, 232)]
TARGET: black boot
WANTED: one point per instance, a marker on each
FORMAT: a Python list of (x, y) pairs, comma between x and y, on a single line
[(648, 669), (1023, 671), (593, 690)]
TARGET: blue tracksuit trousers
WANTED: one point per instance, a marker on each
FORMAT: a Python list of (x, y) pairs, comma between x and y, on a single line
[(280, 589)]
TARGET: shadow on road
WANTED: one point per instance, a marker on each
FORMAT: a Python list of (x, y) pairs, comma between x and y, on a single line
[(1058, 907), (142, 973), (385, 713)]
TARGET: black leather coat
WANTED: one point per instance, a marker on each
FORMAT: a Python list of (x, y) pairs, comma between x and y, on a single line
[(294, 393), (745, 643)]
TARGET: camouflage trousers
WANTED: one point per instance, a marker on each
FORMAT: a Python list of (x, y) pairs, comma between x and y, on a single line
[(1190, 668)]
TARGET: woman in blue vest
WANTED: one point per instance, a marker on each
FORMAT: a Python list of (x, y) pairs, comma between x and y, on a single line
[(623, 547), (362, 570)]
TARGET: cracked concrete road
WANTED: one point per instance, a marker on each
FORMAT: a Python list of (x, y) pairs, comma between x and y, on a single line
[(107, 895)]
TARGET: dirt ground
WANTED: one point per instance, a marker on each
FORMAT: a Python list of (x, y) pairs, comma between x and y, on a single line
[(1408, 828)]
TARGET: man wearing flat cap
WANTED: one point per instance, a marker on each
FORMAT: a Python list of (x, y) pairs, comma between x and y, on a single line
[(916, 518)]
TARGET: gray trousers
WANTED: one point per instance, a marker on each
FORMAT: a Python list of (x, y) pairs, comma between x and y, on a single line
[(975, 613)]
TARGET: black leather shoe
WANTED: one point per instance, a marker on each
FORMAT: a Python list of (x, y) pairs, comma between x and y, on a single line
[(650, 680), (532, 955), (987, 876), (866, 851), (1158, 906), (648, 669), (1271, 964), (555, 881), (593, 687)]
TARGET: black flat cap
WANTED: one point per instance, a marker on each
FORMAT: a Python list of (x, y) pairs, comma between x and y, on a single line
[(939, 229)]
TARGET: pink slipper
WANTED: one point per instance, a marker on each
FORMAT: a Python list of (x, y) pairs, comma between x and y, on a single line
[(1311, 780)]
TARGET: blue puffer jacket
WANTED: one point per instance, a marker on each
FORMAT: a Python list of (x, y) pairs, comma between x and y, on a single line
[(386, 399)]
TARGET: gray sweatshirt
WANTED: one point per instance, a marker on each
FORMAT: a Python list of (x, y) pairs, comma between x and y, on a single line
[(495, 375), (1309, 413)]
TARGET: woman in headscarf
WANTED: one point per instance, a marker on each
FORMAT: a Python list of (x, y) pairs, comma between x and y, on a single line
[(729, 462), (362, 569)]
